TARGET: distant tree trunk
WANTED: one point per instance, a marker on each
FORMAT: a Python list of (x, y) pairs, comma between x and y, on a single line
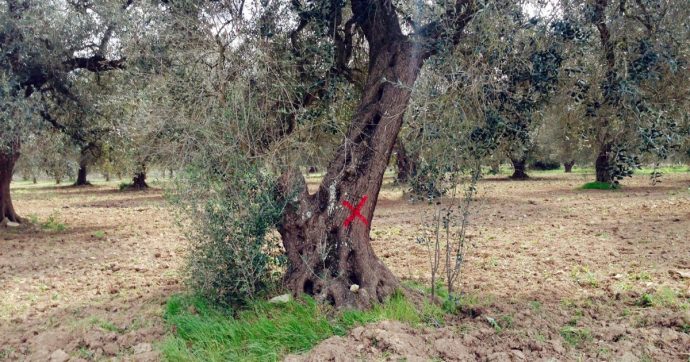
[(58, 180), (34, 180), (81, 175), (139, 181), (7, 161), (171, 173), (569, 166), (407, 167), (602, 163), (107, 176), (519, 167)]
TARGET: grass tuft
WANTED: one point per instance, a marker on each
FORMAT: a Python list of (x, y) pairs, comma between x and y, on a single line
[(576, 337), (267, 332), (52, 224), (600, 186)]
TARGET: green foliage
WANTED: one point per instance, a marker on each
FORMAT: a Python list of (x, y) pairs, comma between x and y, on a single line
[(264, 331), (545, 165), (600, 186), (106, 325), (52, 224), (664, 297), (624, 164), (261, 332), (576, 337), (646, 300), (125, 185), (431, 181), (500, 324), (234, 256)]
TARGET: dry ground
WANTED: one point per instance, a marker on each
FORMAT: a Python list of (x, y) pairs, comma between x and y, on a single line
[(553, 272), (95, 289)]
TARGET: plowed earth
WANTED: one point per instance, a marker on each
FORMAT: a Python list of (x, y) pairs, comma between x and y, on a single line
[(552, 272)]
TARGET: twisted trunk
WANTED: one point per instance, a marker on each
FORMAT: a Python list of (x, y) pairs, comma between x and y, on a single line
[(83, 167), (569, 166), (7, 161), (519, 167), (139, 181), (326, 257), (328, 246), (81, 175), (601, 165)]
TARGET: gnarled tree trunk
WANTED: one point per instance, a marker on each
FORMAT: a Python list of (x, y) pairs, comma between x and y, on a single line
[(81, 174), (7, 161), (139, 181), (602, 163), (569, 166), (519, 167), (326, 257), (326, 234)]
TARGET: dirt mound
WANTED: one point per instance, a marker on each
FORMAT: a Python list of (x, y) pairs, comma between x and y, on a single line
[(389, 340), (473, 341)]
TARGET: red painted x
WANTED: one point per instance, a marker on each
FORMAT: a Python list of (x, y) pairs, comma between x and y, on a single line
[(355, 211)]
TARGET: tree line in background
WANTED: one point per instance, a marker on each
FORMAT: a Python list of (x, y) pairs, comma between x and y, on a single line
[(239, 96)]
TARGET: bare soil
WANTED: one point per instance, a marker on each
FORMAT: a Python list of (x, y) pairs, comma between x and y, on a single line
[(553, 272), (95, 289)]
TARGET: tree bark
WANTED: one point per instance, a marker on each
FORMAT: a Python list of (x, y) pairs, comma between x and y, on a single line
[(85, 157), (7, 161), (569, 166), (407, 167), (602, 164), (81, 175), (327, 255), (519, 167), (139, 181)]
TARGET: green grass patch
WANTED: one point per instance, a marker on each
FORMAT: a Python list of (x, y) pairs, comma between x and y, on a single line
[(52, 224), (664, 298), (267, 332), (576, 337), (105, 325), (664, 169), (596, 185)]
